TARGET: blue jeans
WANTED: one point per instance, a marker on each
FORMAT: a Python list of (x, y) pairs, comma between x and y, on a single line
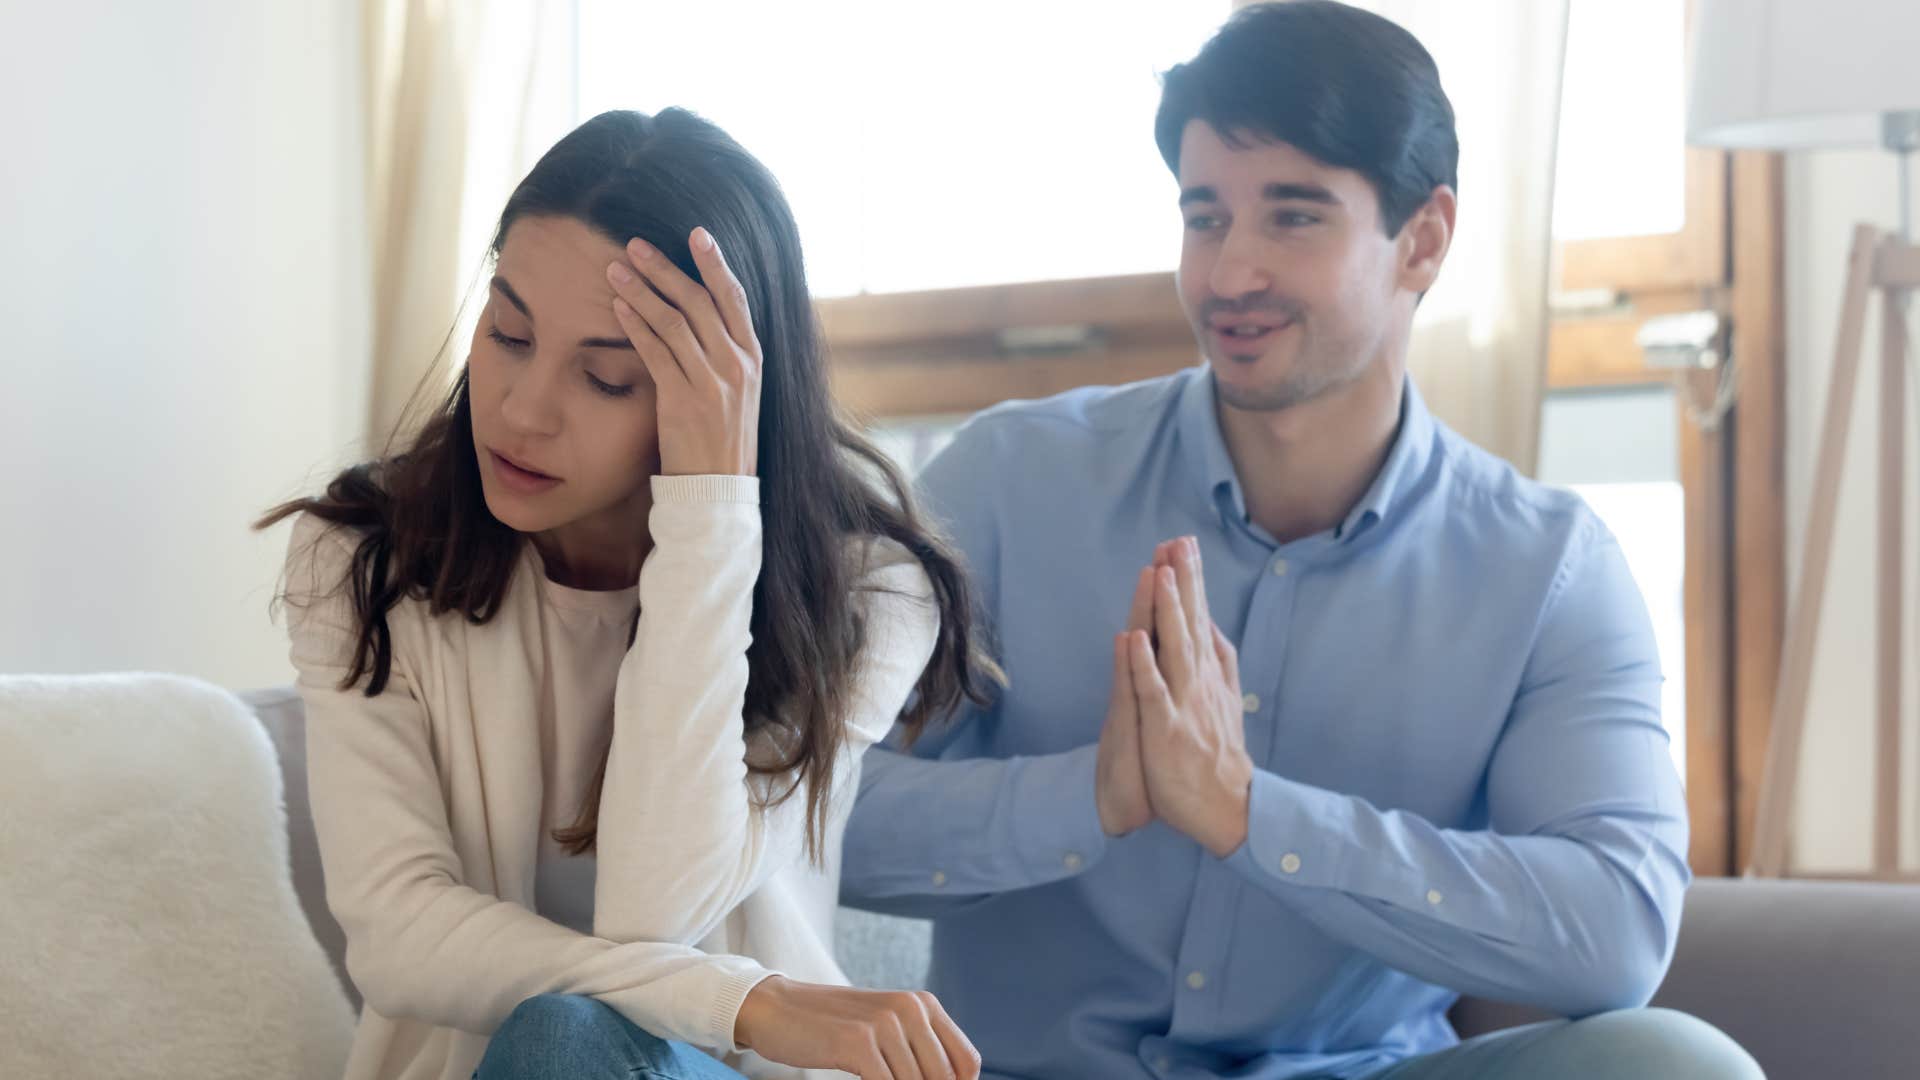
[(1632, 1044), (569, 1036)]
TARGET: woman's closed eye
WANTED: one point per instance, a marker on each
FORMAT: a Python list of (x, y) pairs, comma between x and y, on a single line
[(601, 386), (613, 390)]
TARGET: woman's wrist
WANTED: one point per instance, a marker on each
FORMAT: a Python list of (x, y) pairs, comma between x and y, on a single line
[(756, 1010)]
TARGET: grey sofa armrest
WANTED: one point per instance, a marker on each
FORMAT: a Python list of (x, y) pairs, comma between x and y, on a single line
[(1816, 979)]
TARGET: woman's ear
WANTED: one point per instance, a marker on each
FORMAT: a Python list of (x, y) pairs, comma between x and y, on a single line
[(1424, 241)]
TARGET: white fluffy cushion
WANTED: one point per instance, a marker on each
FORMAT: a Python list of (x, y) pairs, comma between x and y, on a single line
[(147, 924)]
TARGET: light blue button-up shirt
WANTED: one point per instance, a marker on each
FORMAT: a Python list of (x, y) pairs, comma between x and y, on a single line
[(1452, 702)]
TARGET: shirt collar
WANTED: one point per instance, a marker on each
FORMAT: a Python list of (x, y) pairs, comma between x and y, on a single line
[(1199, 426), (1207, 447), (1412, 448)]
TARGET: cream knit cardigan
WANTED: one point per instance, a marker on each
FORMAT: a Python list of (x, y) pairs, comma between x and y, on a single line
[(427, 797)]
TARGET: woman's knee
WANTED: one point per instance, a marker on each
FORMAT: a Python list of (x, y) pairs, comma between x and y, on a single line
[(570, 1014), (554, 1011), (565, 1035)]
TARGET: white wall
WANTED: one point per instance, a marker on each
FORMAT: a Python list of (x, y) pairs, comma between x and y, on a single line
[(182, 337), (1827, 194)]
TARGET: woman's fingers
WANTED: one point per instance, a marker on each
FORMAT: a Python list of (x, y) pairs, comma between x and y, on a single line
[(728, 295), (961, 1053), (654, 353), (665, 321), (872, 1064), (895, 1047), (685, 296), (874, 1034), (929, 1053)]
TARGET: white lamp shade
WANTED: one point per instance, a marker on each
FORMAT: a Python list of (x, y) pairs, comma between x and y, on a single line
[(1785, 74)]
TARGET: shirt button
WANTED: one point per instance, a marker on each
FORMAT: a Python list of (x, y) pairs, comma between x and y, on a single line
[(1162, 1063), (1433, 897), (1196, 980), (1279, 568), (1250, 703), (1072, 861), (1289, 863), (939, 878)]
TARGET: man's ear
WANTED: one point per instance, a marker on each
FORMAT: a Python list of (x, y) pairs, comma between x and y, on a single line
[(1424, 241)]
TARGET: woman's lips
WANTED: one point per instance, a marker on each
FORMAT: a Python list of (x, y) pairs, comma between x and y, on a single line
[(519, 478)]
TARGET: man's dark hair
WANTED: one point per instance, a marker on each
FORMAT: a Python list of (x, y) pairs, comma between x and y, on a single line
[(1341, 85)]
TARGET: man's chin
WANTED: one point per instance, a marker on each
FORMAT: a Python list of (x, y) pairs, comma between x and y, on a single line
[(1259, 383)]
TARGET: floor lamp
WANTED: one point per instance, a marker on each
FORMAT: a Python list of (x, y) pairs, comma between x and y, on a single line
[(1806, 74)]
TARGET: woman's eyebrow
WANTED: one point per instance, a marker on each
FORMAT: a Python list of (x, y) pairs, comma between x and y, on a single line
[(607, 343), (500, 285)]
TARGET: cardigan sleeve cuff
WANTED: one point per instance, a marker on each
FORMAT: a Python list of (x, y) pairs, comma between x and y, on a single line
[(706, 489)]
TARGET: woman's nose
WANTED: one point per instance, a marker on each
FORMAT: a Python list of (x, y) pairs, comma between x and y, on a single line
[(531, 406)]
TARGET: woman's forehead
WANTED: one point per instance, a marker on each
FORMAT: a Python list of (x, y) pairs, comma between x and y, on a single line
[(558, 267)]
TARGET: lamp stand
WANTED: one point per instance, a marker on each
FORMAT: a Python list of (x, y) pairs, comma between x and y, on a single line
[(1900, 133), (1889, 267)]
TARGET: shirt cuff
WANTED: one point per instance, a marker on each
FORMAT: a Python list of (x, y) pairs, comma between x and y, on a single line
[(1057, 795), (1292, 833), (706, 489)]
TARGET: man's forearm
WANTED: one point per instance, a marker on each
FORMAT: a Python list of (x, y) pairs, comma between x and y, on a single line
[(945, 829), (1577, 922)]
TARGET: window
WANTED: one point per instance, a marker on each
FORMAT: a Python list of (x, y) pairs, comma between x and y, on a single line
[(1607, 120), (926, 146), (1634, 208)]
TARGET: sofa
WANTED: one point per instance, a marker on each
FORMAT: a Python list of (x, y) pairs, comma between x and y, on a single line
[(151, 927), (1815, 979)]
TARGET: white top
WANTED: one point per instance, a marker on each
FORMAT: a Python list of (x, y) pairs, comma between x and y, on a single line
[(586, 636), (434, 799)]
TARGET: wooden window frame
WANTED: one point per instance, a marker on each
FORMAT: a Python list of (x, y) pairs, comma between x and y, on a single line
[(1694, 257), (1726, 258), (949, 351), (1733, 475)]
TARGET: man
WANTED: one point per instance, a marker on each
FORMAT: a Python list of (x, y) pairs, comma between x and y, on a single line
[(1422, 754)]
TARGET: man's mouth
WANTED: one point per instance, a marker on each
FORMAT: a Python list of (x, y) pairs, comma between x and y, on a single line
[(1243, 334)]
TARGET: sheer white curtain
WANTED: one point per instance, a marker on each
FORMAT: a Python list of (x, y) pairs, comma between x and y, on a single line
[(1479, 349), (460, 98)]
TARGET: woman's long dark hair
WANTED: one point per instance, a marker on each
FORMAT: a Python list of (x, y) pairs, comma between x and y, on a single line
[(426, 533)]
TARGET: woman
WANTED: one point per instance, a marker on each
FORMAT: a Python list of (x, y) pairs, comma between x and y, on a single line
[(590, 664)]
